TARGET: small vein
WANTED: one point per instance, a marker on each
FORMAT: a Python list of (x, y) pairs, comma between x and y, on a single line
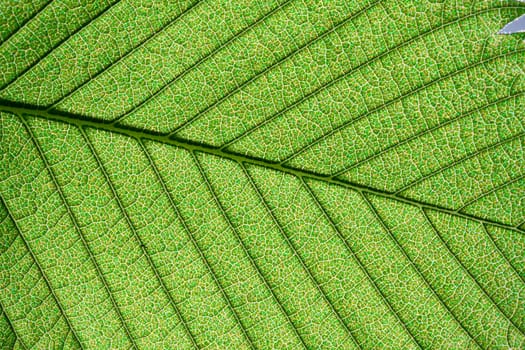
[(359, 262), (301, 261), (348, 72), (188, 232), (62, 197), (197, 63), (500, 252), (26, 22), (131, 226), (208, 185), (252, 261), (416, 269), (513, 83), (180, 217), (13, 329), (397, 99), (54, 47), (460, 160), (144, 42), (75, 224), (492, 190), (277, 63), (481, 288), (5, 248), (426, 131)]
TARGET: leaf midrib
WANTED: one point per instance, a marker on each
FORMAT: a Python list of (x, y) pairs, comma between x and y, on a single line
[(141, 134)]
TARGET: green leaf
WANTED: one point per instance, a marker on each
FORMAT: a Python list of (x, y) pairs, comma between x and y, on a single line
[(275, 175)]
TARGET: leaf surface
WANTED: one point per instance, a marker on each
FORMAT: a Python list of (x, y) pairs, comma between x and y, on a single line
[(276, 175)]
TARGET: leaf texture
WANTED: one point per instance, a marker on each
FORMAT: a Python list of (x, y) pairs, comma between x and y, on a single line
[(276, 175)]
